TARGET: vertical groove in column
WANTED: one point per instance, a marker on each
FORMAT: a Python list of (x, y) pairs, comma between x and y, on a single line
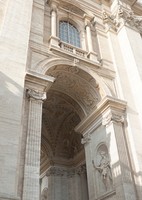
[(32, 159)]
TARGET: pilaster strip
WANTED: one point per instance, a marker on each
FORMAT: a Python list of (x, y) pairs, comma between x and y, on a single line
[(32, 157)]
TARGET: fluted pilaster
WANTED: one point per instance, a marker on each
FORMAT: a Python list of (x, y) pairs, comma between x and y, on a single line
[(32, 156)]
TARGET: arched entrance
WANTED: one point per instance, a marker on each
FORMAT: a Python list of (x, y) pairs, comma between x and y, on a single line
[(77, 109), (72, 96)]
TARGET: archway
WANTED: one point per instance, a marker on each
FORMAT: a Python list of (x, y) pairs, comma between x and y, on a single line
[(73, 95)]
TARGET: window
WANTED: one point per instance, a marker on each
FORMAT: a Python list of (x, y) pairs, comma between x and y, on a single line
[(69, 34)]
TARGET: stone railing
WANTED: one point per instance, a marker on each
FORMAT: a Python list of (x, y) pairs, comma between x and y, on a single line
[(72, 49)]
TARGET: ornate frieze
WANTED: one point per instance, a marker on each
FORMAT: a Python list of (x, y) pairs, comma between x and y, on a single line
[(81, 170), (86, 139), (55, 171), (35, 94), (112, 117), (59, 171)]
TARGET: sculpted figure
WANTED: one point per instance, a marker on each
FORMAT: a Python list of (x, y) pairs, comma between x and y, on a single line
[(105, 170)]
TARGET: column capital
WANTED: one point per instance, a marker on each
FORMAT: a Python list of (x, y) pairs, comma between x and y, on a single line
[(86, 139), (35, 94), (54, 7), (107, 105), (88, 20), (113, 117), (123, 15), (130, 19)]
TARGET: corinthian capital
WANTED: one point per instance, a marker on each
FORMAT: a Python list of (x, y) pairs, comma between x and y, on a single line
[(130, 18), (35, 94), (112, 117), (86, 139)]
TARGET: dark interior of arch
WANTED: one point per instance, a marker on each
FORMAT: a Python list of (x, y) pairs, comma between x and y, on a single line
[(72, 96)]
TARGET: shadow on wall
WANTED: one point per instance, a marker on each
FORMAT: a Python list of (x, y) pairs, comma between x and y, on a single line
[(11, 105), (122, 172), (10, 93)]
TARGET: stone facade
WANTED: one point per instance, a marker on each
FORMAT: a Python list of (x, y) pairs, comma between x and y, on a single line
[(70, 100)]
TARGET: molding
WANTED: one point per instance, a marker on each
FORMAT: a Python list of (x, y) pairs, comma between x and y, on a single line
[(8, 197), (62, 171), (110, 104), (60, 52), (71, 59), (107, 195), (38, 82), (95, 66)]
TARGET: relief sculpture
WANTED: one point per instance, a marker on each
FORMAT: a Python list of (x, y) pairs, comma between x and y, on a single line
[(104, 170)]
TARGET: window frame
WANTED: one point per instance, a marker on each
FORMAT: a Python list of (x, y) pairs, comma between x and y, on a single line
[(71, 36)]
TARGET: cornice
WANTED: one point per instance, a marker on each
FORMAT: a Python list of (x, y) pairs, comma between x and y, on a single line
[(95, 66), (123, 15), (115, 106), (37, 81)]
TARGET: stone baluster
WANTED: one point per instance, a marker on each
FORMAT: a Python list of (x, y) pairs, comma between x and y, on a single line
[(32, 156)]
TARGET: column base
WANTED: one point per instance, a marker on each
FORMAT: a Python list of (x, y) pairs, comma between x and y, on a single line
[(54, 41), (93, 56)]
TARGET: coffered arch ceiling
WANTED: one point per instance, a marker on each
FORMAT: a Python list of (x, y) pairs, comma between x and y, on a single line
[(72, 96), (76, 84)]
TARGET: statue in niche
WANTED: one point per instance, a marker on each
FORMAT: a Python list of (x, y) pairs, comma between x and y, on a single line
[(105, 170)]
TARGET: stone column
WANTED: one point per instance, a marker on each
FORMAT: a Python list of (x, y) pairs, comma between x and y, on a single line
[(92, 55), (83, 189), (55, 183), (54, 40), (32, 157)]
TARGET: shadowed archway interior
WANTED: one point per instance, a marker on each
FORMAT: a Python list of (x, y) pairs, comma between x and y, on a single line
[(72, 96)]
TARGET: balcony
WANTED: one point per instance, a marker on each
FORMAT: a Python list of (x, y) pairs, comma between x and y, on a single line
[(58, 45), (72, 49)]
